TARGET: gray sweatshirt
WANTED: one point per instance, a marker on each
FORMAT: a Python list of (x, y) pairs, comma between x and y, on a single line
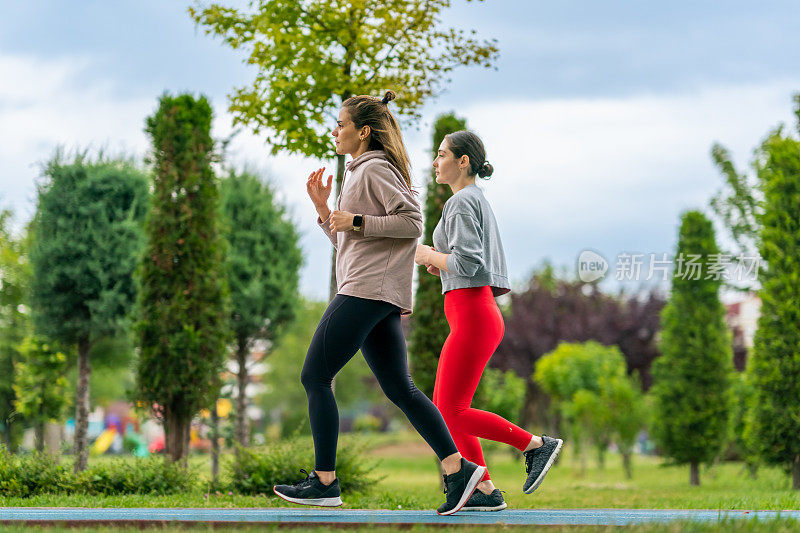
[(468, 232), (377, 263)]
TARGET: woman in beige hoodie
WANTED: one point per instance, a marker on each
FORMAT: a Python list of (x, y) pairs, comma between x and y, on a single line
[(374, 228)]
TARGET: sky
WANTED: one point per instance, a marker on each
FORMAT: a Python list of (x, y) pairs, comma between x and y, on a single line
[(598, 119)]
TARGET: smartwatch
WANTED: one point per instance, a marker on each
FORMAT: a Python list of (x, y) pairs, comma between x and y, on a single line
[(358, 220)]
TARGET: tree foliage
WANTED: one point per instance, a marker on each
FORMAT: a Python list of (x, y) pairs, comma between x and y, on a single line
[(692, 379), (183, 323), (15, 274), (87, 240), (595, 398), (263, 264), (313, 54), (40, 384), (775, 419)]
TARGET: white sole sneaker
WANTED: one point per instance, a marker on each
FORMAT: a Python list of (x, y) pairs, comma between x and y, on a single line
[(319, 502), (547, 466), (496, 508), (476, 477)]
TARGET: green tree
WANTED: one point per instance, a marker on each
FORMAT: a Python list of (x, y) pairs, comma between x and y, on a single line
[(263, 273), (183, 323), (775, 421), (40, 384), (15, 275), (627, 413), (582, 381), (314, 54), (88, 238), (429, 326), (742, 447), (739, 204), (692, 379)]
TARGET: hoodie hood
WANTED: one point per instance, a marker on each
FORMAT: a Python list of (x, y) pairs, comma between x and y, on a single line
[(366, 156)]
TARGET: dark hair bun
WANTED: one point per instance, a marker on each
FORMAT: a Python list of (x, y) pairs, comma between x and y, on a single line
[(486, 170), (388, 97)]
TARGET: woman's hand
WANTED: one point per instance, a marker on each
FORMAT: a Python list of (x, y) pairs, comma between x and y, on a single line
[(317, 191), (422, 255), (341, 221), (434, 270)]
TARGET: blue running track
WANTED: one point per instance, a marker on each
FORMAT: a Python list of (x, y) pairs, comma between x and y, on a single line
[(10, 515)]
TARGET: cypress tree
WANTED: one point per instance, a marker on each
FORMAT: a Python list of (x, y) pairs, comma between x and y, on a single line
[(692, 379), (429, 326), (183, 299), (774, 422)]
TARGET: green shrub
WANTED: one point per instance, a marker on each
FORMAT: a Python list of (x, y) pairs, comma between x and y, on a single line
[(257, 470), (35, 473), (39, 473), (152, 475)]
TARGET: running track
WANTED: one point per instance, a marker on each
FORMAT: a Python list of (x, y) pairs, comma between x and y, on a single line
[(140, 516)]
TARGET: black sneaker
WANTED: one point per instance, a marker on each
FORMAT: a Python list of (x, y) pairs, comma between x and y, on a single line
[(538, 461), (485, 502), (311, 491), (459, 487)]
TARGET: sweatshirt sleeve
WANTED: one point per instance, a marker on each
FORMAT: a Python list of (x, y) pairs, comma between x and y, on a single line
[(325, 225), (465, 236), (403, 219)]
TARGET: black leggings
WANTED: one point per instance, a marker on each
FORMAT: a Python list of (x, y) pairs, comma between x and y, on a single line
[(348, 324)]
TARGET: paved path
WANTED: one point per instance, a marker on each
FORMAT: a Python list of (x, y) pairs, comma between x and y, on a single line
[(360, 516)]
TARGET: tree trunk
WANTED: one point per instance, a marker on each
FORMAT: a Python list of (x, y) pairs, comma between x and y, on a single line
[(81, 448), (752, 469), (796, 473), (627, 464), (214, 443), (242, 429), (339, 184), (52, 438), (694, 474), (176, 436), (39, 433), (601, 456)]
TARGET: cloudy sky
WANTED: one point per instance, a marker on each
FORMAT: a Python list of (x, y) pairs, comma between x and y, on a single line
[(598, 120)]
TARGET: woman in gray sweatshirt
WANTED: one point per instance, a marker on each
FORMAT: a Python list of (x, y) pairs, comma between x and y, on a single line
[(374, 228), (468, 255)]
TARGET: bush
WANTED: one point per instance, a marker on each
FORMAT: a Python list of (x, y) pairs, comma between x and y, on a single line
[(152, 475), (36, 473), (256, 471), (39, 473)]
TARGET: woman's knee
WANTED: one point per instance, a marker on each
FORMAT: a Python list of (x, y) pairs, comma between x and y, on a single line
[(313, 379), (401, 394)]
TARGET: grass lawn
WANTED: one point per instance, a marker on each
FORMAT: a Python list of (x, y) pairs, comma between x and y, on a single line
[(411, 481)]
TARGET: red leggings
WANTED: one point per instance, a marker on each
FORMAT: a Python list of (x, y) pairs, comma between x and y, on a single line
[(476, 329)]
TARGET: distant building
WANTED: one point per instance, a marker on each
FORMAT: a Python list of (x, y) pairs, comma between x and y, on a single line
[(742, 319)]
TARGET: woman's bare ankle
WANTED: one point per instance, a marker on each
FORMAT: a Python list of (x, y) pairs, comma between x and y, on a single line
[(326, 477), (452, 463), (486, 487), (535, 442)]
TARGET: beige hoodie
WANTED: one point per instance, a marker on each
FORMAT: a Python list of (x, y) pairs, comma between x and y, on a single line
[(377, 263)]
